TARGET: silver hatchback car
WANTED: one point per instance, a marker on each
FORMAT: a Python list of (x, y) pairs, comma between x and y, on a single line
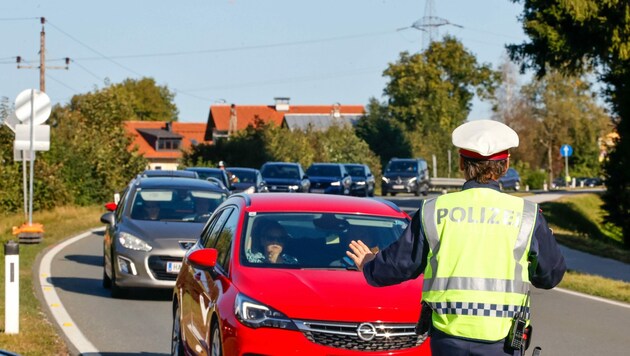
[(155, 222)]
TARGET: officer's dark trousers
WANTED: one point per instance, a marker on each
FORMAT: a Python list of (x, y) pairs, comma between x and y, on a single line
[(446, 345)]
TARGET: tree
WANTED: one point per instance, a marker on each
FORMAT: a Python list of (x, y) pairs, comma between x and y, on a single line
[(565, 112), (384, 135), (577, 35), (148, 101), (431, 93)]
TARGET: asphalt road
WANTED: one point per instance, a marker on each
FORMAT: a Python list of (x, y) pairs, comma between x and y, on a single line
[(564, 323)]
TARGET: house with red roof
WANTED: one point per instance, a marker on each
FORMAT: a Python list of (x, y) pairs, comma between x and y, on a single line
[(162, 142), (225, 119)]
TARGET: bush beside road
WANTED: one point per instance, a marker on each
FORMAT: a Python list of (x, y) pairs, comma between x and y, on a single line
[(576, 220)]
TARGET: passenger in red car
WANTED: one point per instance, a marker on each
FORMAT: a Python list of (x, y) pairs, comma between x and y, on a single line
[(270, 237)]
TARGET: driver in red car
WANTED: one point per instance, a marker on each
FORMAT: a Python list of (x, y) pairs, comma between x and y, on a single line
[(269, 237)]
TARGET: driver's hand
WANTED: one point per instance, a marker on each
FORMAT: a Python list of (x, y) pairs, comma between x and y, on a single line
[(360, 253)]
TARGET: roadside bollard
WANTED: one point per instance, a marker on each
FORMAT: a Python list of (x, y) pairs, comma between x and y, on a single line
[(12, 287)]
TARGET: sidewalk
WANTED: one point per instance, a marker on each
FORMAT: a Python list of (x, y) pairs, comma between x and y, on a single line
[(584, 262)]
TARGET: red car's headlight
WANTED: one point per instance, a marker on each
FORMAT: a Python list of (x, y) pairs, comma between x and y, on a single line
[(256, 315)]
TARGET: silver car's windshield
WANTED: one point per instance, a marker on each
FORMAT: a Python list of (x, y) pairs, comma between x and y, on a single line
[(170, 204), (313, 240)]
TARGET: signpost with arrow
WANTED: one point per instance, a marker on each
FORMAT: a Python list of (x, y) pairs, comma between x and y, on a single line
[(32, 109)]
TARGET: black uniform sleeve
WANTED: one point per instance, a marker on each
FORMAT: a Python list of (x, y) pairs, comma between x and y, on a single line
[(546, 253), (403, 260)]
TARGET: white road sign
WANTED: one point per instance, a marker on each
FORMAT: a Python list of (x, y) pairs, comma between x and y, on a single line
[(40, 106), (11, 120), (41, 138)]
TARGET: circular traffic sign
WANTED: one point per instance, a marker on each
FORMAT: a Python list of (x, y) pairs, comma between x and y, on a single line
[(40, 106), (566, 151)]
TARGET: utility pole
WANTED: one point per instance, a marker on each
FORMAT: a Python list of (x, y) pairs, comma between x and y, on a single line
[(42, 59)]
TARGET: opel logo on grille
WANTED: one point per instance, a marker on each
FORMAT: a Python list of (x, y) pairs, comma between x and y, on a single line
[(366, 331)]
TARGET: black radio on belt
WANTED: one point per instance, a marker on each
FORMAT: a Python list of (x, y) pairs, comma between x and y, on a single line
[(520, 334), (517, 336)]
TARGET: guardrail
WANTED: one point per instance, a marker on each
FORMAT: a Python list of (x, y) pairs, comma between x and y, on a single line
[(446, 182)]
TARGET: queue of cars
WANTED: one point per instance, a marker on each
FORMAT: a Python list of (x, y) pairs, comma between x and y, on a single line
[(171, 231)]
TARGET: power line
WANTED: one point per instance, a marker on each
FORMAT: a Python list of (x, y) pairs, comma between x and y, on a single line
[(18, 18), (95, 51), (244, 48), (87, 70)]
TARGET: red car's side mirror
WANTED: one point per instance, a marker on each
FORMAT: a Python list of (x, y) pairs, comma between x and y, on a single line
[(204, 258), (111, 206)]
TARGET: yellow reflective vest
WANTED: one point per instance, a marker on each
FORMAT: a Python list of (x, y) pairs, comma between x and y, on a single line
[(476, 277)]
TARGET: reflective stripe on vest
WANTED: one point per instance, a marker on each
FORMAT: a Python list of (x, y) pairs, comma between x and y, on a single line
[(481, 309), (457, 299)]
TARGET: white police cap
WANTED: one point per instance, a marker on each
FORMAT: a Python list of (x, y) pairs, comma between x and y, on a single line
[(484, 140)]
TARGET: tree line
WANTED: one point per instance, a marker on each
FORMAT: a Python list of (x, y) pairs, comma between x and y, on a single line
[(427, 95)]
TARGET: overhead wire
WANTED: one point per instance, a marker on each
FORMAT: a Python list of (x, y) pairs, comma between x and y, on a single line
[(93, 50), (244, 48)]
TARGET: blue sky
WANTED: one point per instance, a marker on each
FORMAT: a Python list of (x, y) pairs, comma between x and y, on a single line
[(239, 51)]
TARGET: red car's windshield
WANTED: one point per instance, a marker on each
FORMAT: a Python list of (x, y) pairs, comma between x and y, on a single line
[(313, 240)]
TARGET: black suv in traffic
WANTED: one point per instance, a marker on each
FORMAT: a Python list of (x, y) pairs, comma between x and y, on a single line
[(406, 175), (285, 177), (329, 178)]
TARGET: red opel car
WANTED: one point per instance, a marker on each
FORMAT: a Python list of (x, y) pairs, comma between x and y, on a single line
[(269, 276)]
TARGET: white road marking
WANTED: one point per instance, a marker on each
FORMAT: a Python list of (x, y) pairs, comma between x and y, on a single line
[(598, 299), (63, 319)]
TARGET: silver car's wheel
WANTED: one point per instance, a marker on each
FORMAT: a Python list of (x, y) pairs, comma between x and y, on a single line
[(177, 346), (217, 348)]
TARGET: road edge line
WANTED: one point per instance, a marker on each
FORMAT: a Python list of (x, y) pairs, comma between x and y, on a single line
[(52, 302), (592, 297)]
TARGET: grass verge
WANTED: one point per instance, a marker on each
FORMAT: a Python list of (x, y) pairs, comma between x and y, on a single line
[(37, 335)]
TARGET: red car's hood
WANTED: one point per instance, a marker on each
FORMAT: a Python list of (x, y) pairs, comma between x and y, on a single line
[(336, 295)]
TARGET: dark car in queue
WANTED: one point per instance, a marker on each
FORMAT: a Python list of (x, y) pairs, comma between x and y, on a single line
[(362, 179), (154, 223), (405, 175), (248, 180), (282, 177), (169, 173), (329, 178), (510, 180), (209, 172), (230, 299)]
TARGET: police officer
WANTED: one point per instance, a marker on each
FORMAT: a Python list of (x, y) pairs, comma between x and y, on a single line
[(479, 250)]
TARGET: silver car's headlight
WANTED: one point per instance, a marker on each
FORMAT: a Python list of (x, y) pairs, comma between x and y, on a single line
[(257, 315), (133, 243)]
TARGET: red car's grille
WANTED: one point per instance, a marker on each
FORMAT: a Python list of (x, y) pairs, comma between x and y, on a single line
[(157, 264), (361, 337)]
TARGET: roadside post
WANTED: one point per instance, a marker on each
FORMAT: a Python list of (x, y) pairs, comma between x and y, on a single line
[(566, 151), (11, 287)]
